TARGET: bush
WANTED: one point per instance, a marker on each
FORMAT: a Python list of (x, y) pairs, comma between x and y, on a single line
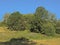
[(48, 29)]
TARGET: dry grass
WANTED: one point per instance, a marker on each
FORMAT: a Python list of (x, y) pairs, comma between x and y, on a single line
[(48, 42), (3, 29), (6, 34)]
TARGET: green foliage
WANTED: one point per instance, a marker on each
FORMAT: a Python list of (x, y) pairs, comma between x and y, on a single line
[(48, 29), (6, 16), (2, 24), (16, 21), (41, 21), (35, 26), (58, 31), (58, 27), (58, 23), (28, 18)]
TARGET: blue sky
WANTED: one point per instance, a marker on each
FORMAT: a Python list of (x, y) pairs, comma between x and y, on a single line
[(28, 6)]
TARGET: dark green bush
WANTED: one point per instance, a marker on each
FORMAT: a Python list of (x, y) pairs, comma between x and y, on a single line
[(58, 31)]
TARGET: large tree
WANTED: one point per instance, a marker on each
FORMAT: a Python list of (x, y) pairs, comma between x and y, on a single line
[(41, 23), (16, 21), (58, 27), (40, 17)]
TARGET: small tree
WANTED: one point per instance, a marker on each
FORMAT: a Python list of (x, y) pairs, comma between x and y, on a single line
[(6, 16)]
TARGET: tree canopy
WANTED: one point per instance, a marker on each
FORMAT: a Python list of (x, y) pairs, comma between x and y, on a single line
[(42, 21)]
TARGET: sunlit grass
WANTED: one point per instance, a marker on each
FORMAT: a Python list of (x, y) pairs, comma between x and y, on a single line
[(6, 35)]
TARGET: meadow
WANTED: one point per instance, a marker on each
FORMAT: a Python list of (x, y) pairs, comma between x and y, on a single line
[(6, 35)]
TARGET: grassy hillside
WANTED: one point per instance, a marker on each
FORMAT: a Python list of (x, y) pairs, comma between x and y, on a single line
[(6, 35)]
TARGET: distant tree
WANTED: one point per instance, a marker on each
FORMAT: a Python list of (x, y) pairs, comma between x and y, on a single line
[(28, 18), (6, 16), (40, 16), (58, 26), (16, 21), (48, 29), (4, 21), (58, 23), (41, 23), (52, 19)]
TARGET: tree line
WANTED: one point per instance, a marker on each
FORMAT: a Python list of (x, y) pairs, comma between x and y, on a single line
[(42, 21)]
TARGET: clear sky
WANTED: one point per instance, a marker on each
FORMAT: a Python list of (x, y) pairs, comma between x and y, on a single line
[(28, 6)]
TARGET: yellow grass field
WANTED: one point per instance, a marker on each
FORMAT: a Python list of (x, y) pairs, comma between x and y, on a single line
[(53, 41), (48, 42), (3, 29)]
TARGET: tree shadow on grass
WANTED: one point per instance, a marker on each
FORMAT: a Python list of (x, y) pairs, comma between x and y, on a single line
[(18, 41)]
